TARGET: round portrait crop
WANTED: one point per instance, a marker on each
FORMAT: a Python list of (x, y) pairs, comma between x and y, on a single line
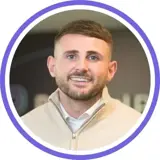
[(104, 7)]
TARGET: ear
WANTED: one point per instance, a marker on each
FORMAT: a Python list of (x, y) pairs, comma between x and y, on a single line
[(112, 68), (51, 65)]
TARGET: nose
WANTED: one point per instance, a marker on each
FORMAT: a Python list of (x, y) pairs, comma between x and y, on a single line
[(82, 65)]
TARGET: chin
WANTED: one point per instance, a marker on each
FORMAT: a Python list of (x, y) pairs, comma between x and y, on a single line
[(81, 90)]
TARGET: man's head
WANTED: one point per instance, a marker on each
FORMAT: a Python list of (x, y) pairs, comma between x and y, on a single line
[(82, 64)]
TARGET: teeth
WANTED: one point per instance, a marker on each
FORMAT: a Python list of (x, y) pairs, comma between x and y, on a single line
[(79, 79)]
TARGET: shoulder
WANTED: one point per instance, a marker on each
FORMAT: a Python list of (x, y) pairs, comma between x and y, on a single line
[(124, 112), (35, 111), (38, 114), (116, 107), (127, 109), (119, 112)]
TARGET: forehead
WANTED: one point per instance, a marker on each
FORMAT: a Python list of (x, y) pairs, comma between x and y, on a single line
[(81, 43)]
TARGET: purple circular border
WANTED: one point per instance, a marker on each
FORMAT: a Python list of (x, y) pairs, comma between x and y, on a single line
[(87, 3)]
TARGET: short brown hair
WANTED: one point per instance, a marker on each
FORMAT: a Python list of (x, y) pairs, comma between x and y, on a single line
[(88, 28)]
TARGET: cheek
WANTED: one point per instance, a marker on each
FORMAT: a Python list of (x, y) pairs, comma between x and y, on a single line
[(65, 66), (101, 75), (100, 71), (60, 66), (62, 69)]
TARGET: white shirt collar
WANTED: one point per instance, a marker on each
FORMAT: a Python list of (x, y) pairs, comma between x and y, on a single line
[(87, 114)]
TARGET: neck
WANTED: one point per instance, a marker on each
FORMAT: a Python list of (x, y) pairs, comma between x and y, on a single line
[(75, 108)]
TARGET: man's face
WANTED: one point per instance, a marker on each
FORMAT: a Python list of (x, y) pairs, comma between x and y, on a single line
[(81, 66)]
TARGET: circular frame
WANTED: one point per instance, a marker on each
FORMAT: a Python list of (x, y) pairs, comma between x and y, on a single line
[(102, 6)]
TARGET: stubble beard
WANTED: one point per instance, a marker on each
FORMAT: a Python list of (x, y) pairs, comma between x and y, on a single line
[(96, 89)]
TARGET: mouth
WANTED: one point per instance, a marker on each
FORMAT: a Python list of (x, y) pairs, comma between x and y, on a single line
[(80, 78), (80, 81)]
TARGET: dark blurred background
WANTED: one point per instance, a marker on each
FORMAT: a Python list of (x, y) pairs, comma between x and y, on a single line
[(31, 83)]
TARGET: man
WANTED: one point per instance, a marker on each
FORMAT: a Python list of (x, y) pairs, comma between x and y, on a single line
[(81, 114)]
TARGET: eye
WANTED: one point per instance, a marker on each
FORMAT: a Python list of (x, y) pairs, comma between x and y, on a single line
[(93, 58), (71, 56)]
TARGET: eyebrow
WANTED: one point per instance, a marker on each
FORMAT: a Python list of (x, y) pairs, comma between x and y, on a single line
[(76, 51), (93, 52), (71, 52)]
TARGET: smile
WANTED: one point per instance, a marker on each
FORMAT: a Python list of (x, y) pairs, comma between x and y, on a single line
[(80, 79)]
